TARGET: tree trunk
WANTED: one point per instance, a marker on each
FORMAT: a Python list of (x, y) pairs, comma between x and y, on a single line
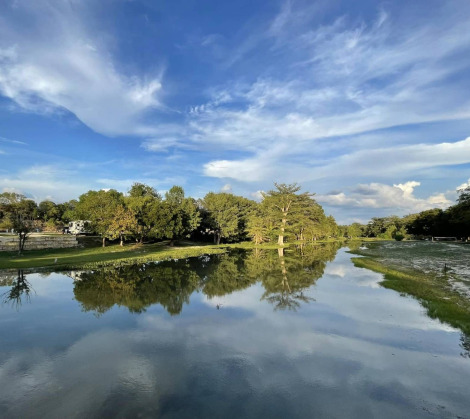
[(121, 240), (218, 238), (104, 241), (21, 242), (280, 240), (172, 242)]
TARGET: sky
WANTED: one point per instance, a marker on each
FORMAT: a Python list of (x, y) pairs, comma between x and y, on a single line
[(364, 103)]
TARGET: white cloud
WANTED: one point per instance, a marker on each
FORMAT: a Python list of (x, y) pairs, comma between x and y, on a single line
[(405, 160), (343, 80), (258, 195), (45, 182), (347, 79), (58, 63), (464, 185), (10, 141), (160, 144), (226, 188), (124, 185), (292, 118), (398, 197), (246, 170)]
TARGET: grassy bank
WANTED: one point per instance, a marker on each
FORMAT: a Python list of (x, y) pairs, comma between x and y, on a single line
[(94, 257), (433, 292)]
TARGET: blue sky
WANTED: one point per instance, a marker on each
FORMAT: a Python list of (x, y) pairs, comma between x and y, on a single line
[(364, 103)]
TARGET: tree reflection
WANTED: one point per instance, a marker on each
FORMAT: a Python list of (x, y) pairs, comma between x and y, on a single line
[(354, 245), (291, 273), (228, 274), (170, 284), (136, 287), (465, 345), (20, 290)]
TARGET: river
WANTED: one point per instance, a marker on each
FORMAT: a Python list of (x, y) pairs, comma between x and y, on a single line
[(258, 333)]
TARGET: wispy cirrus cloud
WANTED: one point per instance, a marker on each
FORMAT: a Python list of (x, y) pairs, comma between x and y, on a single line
[(338, 81), (10, 141), (305, 94), (60, 63)]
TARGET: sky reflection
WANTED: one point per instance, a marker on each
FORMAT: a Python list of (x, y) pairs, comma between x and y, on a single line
[(357, 350)]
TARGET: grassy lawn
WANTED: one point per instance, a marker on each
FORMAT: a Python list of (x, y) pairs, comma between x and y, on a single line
[(433, 292), (63, 259)]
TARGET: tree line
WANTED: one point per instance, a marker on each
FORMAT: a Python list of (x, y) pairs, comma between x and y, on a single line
[(452, 222), (143, 214)]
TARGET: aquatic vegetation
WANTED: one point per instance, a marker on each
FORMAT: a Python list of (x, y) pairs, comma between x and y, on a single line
[(434, 292)]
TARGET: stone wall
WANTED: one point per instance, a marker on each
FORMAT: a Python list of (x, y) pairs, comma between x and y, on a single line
[(10, 243)]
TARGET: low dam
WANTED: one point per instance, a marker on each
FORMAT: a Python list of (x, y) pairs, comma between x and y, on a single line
[(9, 243)]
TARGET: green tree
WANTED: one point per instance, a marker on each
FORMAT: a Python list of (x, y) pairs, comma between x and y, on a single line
[(257, 228), (144, 201), (355, 230), (99, 207), (179, 216), (18, 213), (124, 222), (464, 196), (459, 215), (48, 210), (67, 210), (285, 205), (226, 215)]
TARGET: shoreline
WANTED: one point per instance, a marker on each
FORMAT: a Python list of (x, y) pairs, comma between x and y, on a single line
[(434, 292), (115, 255)]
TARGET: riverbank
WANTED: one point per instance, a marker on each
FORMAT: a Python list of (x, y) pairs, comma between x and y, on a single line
[(115, 255), (95, 257), (433, 291)]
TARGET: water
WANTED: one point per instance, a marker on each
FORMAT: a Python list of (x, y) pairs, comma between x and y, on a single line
[(451, 260), (255, 334)]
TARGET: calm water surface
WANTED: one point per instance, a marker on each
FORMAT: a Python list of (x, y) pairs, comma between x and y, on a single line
[(249, 334)]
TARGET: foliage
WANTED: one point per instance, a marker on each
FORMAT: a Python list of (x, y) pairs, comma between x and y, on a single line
[(296, 215), (99, 207), (19, 214), (143, 215), (179, 216), (452, 222), (355, 230), (226, 215), (124, 222), (144, 201)]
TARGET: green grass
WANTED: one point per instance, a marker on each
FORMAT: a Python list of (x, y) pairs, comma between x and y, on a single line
[(114, 255), (433, 292), (90, 258)]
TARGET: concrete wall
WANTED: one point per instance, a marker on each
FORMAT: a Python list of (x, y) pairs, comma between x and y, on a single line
[(10, 243)]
